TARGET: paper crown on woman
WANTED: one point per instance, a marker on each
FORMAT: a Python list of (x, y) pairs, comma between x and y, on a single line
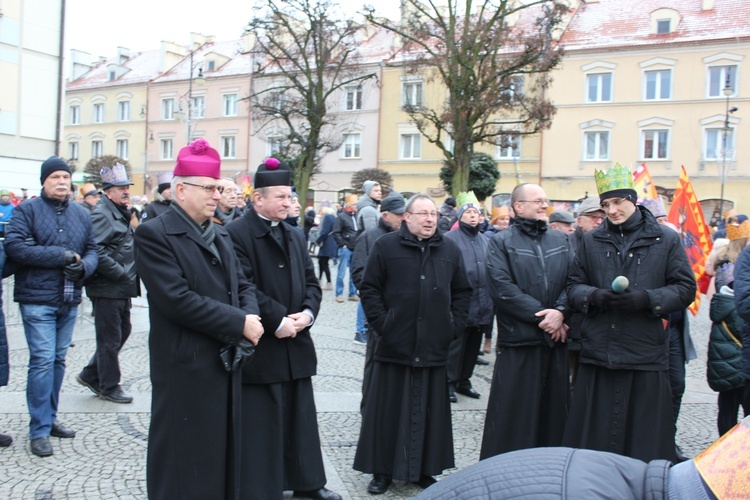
[(198, 159), (735, 232)]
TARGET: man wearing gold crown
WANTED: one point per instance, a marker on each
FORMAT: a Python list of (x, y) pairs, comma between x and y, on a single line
[(622, 403)]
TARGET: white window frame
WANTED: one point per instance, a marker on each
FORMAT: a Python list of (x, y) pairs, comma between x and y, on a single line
[(167, 108), (198, 106), (122, 147), (599, 77), (276, 100), (718, 132), (230, 105), (655, 134), (97, 148), (353, 98), (658, 84), (659, 24), (228, 146), (73, 150), (410, 146), (412, 93), (274, 145), (516, 87), (98, 112), (123, 111), (509, 152), (351, 147), (75, 114), (166, 149), (722, 69), (598, 134)]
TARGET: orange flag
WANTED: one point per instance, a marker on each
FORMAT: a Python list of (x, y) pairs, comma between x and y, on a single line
[(687, 216), (247, 185), (644, 184)]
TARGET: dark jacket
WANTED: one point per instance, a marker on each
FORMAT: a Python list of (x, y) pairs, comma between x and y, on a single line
[(4, 360), (527, 268), (576, 317), (115, 276), (286, 284), (87, 206), (328, 246), (155, 209), (742, 302), (346, 230), (473, 247), (197, 305), (38, 235), (362, 251), (655, 262), (724, 367), (415, 295)]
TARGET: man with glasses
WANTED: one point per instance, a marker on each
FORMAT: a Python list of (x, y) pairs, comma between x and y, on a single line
[(527, 268), (200, 304), (416, 295), (226, 209), (280, 438), (622, 402)]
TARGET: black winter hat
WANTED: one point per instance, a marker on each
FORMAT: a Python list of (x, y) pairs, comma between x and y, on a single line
[(53, 164)]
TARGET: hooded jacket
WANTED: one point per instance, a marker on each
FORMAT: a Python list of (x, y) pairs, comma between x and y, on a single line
[(367, 213), (724, 367), (653, 259)]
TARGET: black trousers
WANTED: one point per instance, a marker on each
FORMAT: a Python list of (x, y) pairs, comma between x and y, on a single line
[(112, 324), (729, 402), (462, 356), (676, 368)]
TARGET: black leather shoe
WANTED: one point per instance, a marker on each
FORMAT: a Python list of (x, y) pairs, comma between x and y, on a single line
[(117, 396), (452, 393), (92, 387), (321, 494), (425, 481), (681, 457), (60, 431), (482, 362), (5, 440), (468, 391), (379, 484), (40, 446)]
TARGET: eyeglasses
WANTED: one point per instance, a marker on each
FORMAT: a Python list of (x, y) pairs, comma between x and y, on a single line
[(425, 215), (615, 201), (594, 216), (209, 189), (544, 201)]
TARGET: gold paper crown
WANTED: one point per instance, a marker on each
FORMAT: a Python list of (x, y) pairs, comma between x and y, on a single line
[(617, 177), (735, 232)]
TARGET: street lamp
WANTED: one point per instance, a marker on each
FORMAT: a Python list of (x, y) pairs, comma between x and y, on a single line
[(199, 80), (727, 91)]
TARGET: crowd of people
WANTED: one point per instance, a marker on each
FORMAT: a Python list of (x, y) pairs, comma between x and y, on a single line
[(592, 330)]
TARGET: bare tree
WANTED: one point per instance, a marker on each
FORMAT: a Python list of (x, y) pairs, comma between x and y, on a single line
[(305, 55), (484, 52), (382, 177)]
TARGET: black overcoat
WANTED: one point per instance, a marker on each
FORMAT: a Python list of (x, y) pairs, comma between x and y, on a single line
[(197, 305), (286, 285)]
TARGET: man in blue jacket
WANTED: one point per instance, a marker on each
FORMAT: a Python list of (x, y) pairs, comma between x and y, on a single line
[(51, 241)]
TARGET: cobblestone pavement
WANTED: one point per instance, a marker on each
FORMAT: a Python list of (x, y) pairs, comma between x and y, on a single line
[(107, 458)]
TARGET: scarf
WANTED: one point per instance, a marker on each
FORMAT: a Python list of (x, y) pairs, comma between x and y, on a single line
[(208, 233)]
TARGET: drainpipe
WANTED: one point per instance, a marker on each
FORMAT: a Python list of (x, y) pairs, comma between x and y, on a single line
[(60, 82)]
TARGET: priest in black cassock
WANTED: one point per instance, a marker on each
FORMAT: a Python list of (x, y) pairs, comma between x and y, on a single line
[(416, 294), (280, 429)]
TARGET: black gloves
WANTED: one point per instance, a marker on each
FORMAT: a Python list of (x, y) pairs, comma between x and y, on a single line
[(71, 257), (74, 271), (602, 298), (630, 301)]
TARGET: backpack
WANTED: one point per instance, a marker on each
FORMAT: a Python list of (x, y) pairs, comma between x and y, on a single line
[(313, 235)]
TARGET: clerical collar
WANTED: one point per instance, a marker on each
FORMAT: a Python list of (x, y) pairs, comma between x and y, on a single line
[(273, 223)]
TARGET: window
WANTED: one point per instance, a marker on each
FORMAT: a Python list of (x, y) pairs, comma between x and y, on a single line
[(166, 149), (513, 148), (655, 144), (352, 145), (275, 146), (353, 98), (411, 94), (230, 105), (596, 145), (411, 146), (198, 107), (97, 149), (123, 111), (112, 76), (99, 113), (515, 88), (72, 151), (276, 100), (122, 148), (714, 149), (599, 87), (228, 147), (75, 115), (167, 109), (720, 77), (658, 84), (663, 26), (211, 65)]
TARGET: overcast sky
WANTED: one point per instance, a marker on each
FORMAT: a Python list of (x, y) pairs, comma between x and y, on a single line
[(100, 26)]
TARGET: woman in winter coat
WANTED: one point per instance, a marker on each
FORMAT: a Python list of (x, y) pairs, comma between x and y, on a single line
[(724, 370), (328, 247)]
